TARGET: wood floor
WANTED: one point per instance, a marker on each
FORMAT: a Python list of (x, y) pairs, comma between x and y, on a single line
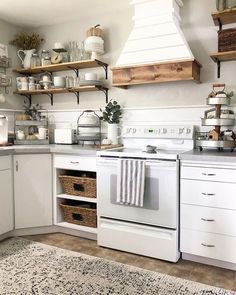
[(184, 269)]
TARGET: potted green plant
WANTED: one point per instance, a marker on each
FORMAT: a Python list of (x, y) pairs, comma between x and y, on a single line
[(112, 115), (27, 43)]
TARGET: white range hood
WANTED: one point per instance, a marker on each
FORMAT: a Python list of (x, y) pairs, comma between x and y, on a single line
[(156, 35)]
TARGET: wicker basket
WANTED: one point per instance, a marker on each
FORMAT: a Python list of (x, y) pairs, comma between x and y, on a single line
[(79, 186), (79, 215), (227, 40)]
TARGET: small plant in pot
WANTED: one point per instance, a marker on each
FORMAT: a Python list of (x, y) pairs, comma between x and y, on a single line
[(112, 115)]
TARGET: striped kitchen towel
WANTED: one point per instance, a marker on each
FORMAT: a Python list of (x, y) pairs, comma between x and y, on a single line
[(130, 182)]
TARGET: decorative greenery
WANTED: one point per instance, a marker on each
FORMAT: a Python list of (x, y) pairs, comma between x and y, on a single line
[(27, 41), (32, 112), (112, 113)]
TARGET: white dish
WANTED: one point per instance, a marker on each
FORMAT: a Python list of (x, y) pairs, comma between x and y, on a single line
[(90, 82), (41, 82)]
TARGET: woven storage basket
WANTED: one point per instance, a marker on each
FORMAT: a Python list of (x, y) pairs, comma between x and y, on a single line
[(79, 186), (227, 40), (79, 215)]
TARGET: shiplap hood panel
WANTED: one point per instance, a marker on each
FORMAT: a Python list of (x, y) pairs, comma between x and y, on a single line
[(156, 35)]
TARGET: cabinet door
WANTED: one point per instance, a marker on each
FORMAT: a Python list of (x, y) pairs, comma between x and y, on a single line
[(6, 200), (33, 190)]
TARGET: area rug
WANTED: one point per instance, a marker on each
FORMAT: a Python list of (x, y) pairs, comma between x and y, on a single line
[(28, 267)]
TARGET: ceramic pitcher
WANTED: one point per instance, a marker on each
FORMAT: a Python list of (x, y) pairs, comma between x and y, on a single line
[(26, 58), (112, 133)]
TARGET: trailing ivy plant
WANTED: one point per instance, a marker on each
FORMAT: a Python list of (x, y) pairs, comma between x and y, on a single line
[(112, 113)]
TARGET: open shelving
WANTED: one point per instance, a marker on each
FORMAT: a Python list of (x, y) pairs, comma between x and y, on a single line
[(75, 66), (223, 18)]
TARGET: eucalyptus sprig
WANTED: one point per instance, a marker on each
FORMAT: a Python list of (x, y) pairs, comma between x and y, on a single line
[(112, 113)]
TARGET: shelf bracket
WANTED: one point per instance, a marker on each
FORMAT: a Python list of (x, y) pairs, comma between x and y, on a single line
[(105, 91), (50, 95), (75, 70), (218, 68), (104, 67), (220, 24), (29, 96), (76, 93)]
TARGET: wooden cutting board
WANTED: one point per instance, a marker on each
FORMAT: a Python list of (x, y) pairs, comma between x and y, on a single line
[(110, 146)]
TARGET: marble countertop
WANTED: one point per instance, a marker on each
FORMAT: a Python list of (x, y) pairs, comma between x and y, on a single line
[(209, 156), (51, 148)]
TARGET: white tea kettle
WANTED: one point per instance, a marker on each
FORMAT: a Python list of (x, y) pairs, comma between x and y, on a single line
[(3, 130)]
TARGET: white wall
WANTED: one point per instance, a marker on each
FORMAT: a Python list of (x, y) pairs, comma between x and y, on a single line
[(117, 23), (7, 33)]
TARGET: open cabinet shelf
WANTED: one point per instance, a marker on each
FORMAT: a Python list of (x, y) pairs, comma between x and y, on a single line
[(224, 56)]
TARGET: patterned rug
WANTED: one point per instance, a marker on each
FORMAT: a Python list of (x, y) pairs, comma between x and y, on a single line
[(33, 268)]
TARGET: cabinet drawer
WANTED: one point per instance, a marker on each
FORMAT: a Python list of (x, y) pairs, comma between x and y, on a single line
[(209, 174), (75, 162), (208, 245), (5, 162), (212, 220), (207, 193), (212, 194)]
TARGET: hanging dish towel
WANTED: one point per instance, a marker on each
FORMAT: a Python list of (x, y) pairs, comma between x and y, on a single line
[(130, 182)]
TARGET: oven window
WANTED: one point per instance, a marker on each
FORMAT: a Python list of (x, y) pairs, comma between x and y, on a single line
[(151, 193)]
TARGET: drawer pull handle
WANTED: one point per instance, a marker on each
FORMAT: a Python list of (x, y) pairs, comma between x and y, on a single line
[(72, 162), (207, 194), (208, 174), (207, 245), (209, 220)]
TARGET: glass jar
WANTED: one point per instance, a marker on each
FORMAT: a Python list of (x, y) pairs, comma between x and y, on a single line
[(46, 61), (45, 54), (220, 5), (35, 60), (230, 4)]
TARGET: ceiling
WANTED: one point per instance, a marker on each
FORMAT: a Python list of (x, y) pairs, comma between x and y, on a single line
[(28, 13)]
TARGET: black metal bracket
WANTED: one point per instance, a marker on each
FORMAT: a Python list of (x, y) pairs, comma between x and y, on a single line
[(104, 66), (220, 24), (76, 93), (218, 68), (75, 70), (104, 90), (29, 96), (50, 95)]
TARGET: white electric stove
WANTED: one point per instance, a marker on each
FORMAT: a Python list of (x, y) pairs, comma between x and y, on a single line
[(151, 230)]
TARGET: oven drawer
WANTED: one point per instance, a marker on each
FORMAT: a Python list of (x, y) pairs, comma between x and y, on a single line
[(209, 174), (207, 193), (139, 239), (207, 219), (5, 162), (208, 245), (75, 162)]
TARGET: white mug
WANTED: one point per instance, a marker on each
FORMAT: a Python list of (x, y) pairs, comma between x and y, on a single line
[(59, 81), (42, 133), (23, 85)]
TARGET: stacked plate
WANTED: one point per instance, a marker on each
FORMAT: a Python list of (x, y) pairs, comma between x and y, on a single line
[(90, 82)]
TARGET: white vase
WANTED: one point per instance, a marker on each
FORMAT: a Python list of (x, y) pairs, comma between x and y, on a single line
[(112, 133), (26, 58)]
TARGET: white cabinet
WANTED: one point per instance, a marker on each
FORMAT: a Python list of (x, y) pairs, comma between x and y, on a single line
[(33, 190), (208, 210), (6, 195), (72, 165)]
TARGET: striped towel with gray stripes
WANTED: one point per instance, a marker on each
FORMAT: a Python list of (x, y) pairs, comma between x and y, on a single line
[(130, 182)]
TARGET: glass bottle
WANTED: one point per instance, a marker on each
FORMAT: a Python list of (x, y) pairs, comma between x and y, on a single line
[(45, 54)]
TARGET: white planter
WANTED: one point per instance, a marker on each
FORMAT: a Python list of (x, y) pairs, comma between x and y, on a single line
[(112, 133)]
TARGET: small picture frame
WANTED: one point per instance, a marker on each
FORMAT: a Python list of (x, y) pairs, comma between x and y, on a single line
[(3, 50)]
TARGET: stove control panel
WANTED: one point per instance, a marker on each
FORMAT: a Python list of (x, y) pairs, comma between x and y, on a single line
[(165, 132)]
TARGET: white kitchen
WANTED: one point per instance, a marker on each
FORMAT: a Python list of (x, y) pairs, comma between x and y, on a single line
[(118, 147)]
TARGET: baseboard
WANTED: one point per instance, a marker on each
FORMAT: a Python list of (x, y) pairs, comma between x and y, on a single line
[(48, 230), (209, 261)]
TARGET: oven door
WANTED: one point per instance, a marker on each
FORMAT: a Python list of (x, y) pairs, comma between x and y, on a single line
[(161, 197)]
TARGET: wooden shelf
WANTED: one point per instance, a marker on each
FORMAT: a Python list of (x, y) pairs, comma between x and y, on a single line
[(41, 91), (225, 17), (83, 64), (156, 73), (223, 56)]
